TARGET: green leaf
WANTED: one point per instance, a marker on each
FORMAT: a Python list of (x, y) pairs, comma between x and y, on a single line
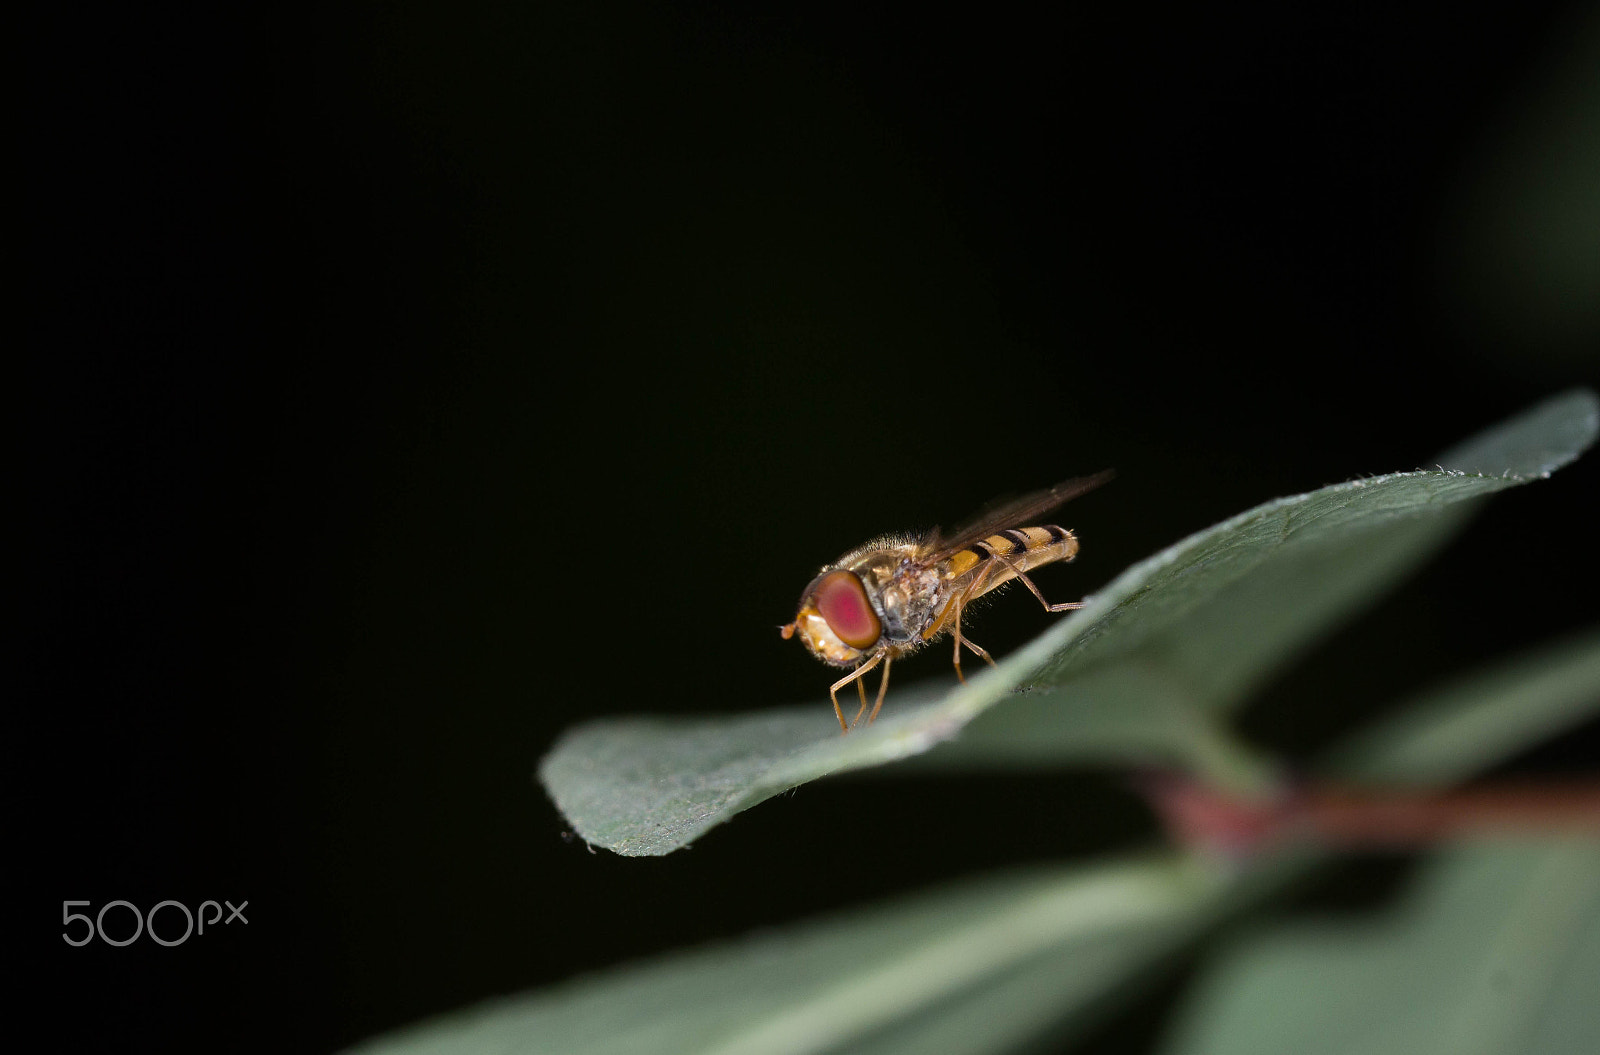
[(958, 970), (1495, 953), (1485, 718), (986, 964), (1143, 671)]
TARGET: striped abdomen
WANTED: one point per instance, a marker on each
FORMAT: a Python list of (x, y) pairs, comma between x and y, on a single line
[(1009, 551)]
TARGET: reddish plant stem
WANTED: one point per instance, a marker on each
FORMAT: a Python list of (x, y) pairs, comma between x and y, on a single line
[(1349, 818)]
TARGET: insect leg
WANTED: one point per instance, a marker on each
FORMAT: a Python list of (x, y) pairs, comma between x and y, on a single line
[(833, 690), (1065, 606), (861, 690), (959, 676), (975, 587), (978, 649), (883, 687)]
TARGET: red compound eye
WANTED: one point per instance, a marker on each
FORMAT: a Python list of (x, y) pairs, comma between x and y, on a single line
[(842, 600)]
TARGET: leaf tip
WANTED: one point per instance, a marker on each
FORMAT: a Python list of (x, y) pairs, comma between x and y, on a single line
[(1533, 443)]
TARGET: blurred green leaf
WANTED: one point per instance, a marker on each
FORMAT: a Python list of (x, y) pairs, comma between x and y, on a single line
[(1485, 718), (1496, 952), (1138, 674), (984, 965), (967, 969)]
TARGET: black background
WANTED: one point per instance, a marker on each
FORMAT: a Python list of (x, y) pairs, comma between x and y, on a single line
[(405, 383)]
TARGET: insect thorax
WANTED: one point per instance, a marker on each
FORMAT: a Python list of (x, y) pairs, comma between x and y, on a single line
[(905, 593)]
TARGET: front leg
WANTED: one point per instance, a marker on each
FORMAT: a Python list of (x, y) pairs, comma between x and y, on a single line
[(855, 676)]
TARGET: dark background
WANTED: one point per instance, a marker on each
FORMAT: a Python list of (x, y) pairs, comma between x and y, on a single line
[(405, 383)]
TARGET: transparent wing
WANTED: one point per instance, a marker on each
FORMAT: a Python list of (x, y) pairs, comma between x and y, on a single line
[(1018, 512)]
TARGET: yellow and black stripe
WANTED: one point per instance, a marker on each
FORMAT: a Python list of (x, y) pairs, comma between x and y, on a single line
[(1015, 543)]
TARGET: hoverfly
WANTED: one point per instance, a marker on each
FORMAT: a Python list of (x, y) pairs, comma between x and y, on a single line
[(895, 594)]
